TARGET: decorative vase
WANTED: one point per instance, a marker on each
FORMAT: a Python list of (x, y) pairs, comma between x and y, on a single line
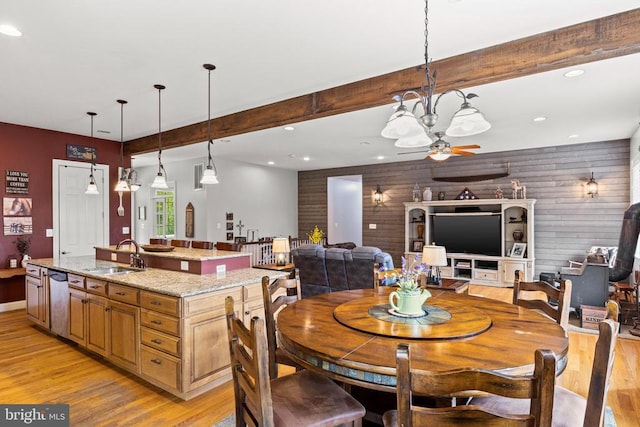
[(408, 303), (420, 230), (416, 193), (427, 194), (25, 259), (517, 235)]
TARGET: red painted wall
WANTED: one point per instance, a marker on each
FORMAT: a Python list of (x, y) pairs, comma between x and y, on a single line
[(31, 150)]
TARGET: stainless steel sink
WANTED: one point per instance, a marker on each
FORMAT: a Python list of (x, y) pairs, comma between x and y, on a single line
[(109, 271)]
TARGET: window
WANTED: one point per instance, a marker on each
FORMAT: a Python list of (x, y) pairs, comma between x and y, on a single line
[(164, 212), (198, 170)]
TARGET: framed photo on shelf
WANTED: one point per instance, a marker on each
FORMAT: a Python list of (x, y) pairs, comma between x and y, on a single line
[(518, 250), (416, 245)]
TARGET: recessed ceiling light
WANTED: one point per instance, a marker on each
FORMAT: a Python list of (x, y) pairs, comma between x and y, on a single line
[(271, 163), (539, 119), (289, 128), (574, 73), (380, 157), (575, 135), (306, 158), (9, 30)]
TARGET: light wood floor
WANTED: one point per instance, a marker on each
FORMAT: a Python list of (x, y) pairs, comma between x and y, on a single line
[(39, 368)]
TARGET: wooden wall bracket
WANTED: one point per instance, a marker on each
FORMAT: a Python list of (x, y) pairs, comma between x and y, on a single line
[(470, 178)]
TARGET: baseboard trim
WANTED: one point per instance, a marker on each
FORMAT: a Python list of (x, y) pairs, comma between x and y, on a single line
[(13, 305)]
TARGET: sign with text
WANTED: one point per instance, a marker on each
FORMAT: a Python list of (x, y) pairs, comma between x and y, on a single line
[(17, 182), (49, 415)]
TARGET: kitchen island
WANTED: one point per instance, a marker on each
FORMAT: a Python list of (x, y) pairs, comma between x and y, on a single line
[(167, 327)]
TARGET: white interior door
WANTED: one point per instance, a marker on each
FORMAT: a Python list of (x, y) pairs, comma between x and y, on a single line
[(344, 209), (80, 220)]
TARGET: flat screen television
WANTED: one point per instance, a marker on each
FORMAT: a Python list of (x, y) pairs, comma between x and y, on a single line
[(470, 233)]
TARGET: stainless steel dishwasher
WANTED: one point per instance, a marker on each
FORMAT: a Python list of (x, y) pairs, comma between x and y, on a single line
[(59, 302)]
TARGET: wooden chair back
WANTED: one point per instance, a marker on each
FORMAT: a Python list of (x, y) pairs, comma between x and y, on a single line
[(157, 241), (538, 387), (249, 368), (201, 244), (277, 295), (225, 246), (562, 295), (600, 373), (180, 243)]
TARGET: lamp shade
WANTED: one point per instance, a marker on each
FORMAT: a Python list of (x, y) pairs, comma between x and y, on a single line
[(434, 256), (280, 245), (468, 121), (402, 124), (209, 176), (92, 188), (122, 186), (160, 181), (439, 156), (419, 140)]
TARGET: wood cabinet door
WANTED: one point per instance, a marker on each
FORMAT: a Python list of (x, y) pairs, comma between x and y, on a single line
[(97, 325), (124, 326), (35, 301), (77, 316), (510, 268)]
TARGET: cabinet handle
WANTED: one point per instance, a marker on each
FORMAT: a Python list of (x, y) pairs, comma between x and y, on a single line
[(156, 361), (39, 286), (155, 303), (120, 293), (107, 309), (247, 312), (156, 322), (94, 287), (156, 341)]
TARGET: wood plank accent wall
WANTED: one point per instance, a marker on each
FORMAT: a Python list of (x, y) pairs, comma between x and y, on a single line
[(567, 221)]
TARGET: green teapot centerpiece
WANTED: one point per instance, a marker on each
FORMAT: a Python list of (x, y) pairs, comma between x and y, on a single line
[(410, 297)]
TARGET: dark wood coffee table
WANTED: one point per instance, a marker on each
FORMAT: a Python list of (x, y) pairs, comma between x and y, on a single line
[(458, 286)]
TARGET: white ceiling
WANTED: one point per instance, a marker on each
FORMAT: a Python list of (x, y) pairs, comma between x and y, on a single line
[(79, 56)]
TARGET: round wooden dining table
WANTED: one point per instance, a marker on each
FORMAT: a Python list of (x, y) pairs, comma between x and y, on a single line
[(352, 336)]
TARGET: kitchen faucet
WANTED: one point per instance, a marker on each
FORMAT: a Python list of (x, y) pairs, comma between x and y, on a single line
[(135, 260)]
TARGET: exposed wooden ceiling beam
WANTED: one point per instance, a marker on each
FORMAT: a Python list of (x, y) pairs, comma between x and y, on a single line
[(596, 40)]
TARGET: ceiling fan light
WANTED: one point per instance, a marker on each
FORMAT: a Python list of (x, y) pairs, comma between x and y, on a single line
[(402, 124), (209, 176), (440, 156), (413, 142), (468, 121), (160, 181)]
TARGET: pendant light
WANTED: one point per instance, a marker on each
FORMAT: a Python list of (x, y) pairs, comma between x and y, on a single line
[(92, 188), (210, 175), (122, 182), (161, 178)]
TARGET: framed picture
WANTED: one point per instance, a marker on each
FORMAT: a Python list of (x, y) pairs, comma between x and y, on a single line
[(239, 239), (229, 226), (229, 216), (229, 236), (416, 245), (16, 206), (518, 250)]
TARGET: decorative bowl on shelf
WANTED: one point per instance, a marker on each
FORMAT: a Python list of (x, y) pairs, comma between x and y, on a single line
[(157, 248)]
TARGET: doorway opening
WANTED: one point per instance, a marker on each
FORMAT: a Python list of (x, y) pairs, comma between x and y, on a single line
[(344, 209)]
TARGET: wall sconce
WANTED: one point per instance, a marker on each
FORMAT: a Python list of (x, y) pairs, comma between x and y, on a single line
[(280, 248), (592, 187), (377, 196)]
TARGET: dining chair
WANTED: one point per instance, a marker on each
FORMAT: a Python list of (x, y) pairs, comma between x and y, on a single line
[(301, 399), (561, 295), (155, 241), (277, 295), (570, 408), (536, 389), (201, 244), (180, 243)]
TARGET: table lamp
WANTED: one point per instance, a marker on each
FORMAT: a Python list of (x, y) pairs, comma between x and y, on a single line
[(280, 248), (434, 257)]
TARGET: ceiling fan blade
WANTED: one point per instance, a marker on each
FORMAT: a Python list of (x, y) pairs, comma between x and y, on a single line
[(462, 153), (466, 147), (415, 152)]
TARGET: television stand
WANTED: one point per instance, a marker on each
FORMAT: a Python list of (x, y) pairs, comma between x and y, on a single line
[(516, 226)]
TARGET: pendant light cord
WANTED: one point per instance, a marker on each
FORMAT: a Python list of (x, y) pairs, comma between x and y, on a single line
[(210, 163), (160, 167)]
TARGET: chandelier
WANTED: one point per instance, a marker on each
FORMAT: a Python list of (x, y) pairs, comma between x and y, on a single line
[(412, 130)]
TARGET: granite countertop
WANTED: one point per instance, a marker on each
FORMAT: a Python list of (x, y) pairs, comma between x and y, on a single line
[(189, 254), (166, 282)]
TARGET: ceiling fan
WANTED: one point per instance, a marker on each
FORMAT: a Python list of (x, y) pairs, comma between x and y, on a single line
[(440, 149)]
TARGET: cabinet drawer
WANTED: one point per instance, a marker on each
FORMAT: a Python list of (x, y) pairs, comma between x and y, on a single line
[(96, 286), (160, 367), (33, 270), (253, 291), (160, 322), (162, 303), (160, 341), (75, 281), (480, 274), (123, 293)]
